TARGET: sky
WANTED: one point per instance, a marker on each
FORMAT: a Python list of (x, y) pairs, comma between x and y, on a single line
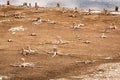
[(95, 4)]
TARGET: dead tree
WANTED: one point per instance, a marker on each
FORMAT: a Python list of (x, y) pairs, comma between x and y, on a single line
[(25, 4), (75, 10), (29, 4), (8, 2), (89, 12), (36, 6), (116, 8), (58, 5), (105, 12)]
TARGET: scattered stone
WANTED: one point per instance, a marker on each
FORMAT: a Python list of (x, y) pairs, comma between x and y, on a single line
[(4, 77), (52, 22), (58, 5), (78, 37), (36, 6), (109, 58), (76, 10), (10, 40), (20, 28), (64, 10), (72, 15), (33, 34), (4, 21), (87, 42), (58, 42), (105, 30), (59, 79), (19, 17)]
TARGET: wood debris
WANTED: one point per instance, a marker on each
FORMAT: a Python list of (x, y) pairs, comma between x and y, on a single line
[(76, 26), (87, 41), (55, 52), (86, 61), (103, 36), (112, 26), (29, 51), (58, 41), (25, 64), (4, 77)]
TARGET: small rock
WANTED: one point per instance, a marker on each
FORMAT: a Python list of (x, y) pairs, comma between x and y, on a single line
[(10, 40), (108, 58), (87, 42), (33, 34)]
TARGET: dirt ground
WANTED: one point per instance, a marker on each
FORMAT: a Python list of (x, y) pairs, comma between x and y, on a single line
[(99, 51)]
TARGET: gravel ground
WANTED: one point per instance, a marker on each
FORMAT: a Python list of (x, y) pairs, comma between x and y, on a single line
[(108, 71)]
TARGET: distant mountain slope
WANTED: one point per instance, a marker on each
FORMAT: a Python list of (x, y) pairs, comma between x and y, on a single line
[(98, 4), (95, 4)]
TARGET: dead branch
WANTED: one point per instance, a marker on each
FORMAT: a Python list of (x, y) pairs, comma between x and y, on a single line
[(76, 26), (55, 52), (103, 36), (25, 64), (58, 41), (29, 51), (87, 42), (86, 61)]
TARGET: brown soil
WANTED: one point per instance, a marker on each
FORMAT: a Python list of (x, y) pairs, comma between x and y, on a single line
[(59, 66)]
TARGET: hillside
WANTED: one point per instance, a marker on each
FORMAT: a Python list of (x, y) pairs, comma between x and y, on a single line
[(48, 30)]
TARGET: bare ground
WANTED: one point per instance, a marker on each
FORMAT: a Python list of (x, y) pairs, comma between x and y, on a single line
[(99, 50)]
